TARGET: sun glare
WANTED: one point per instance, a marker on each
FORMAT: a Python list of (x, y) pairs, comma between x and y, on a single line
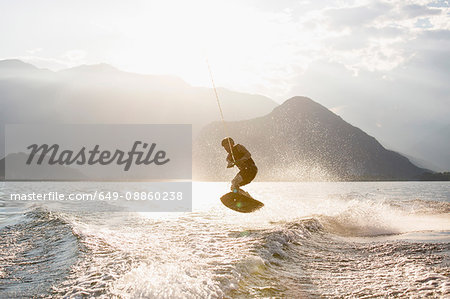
[(177, 37)]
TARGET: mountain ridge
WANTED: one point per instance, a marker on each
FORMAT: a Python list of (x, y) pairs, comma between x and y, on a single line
[(302, 140), (103, 94)]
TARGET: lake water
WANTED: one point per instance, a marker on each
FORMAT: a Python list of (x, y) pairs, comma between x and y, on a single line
[(310, 240)]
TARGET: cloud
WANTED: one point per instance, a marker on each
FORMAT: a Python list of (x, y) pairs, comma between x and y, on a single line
[(337, 109), (42, 62), (439, 3), (34, 51), (356, 16), (75, 55), (423, 23), (415, 10), (406, 107)]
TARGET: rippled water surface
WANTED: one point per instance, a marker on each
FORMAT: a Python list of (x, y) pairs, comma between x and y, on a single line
[(310, 240)]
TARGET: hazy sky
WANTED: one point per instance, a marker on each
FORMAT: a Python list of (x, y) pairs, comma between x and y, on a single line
[(382, 65)]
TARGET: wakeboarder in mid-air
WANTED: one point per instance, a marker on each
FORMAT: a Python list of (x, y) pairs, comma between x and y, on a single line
[(237, 200), (239, 156)]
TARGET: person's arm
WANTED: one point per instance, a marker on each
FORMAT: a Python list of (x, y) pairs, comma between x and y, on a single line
[(230, 161), (246, 155)]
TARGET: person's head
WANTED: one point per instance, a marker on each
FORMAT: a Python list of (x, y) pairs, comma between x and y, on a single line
[(226, 142)]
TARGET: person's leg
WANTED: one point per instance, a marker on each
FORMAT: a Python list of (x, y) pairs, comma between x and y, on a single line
[(245, 177), (248, 175), (236, 182)]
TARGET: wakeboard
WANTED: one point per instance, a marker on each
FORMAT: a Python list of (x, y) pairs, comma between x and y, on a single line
[(241, 203)]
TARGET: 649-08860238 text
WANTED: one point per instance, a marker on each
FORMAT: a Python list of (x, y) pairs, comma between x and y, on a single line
[(99, 195)]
